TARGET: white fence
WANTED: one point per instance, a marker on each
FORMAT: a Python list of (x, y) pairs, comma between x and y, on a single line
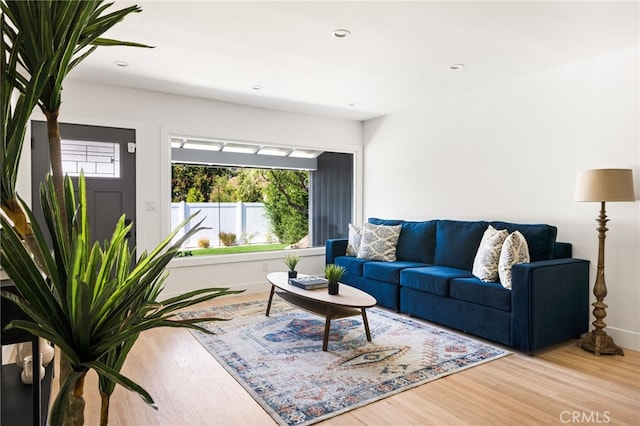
[(247, 221)]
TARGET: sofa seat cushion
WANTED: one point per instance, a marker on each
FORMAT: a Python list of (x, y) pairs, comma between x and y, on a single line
[(388, 271), (417, 241), (352, 265), (540, 238), (431, 279), (477, 291), (457, 243)]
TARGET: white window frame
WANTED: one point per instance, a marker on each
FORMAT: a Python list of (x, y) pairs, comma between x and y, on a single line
[(165, 200)]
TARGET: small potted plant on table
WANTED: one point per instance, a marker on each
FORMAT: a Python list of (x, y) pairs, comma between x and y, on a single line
[(291, 260), (333, 273)]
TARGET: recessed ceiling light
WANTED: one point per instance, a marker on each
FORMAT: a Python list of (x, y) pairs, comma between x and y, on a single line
[(354, 104), (341, 33), (456, 67), (256, 87), (122, 64)]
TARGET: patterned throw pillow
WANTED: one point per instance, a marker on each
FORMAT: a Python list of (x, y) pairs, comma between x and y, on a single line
[(355, 237), (514, 250), (379, 242), (485, 264)]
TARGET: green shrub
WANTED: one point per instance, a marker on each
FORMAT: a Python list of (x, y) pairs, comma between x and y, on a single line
[(227, 238)]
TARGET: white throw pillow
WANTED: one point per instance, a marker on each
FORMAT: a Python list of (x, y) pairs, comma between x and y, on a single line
[(514, 250), (355, 238), (485, 264), (379, 242)]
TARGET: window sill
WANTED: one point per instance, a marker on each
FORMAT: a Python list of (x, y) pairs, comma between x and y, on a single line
[(219, 259)]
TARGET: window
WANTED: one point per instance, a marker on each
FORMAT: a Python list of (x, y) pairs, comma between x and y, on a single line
[(255, 197), (96, 159)]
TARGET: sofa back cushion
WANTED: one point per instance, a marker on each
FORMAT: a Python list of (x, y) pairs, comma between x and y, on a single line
[(417, 241), (540, 238), (457, 243)]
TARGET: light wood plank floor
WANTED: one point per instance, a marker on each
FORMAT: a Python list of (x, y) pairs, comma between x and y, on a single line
[(562, 385)]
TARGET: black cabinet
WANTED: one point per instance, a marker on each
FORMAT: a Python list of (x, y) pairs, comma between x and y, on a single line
[(21, 404)]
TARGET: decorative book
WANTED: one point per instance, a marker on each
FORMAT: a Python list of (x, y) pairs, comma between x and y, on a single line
[(309, 282)]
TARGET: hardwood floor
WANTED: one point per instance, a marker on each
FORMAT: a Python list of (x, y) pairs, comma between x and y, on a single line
[(562, 385)]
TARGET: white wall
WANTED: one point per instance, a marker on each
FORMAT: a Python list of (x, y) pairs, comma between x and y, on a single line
[(508, 152), (511, 152), (157, 115)]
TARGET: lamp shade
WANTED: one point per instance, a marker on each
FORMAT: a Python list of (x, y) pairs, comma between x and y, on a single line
[(604, 185)]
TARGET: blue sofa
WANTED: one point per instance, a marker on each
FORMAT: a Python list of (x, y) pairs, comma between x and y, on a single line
[(431, 279)]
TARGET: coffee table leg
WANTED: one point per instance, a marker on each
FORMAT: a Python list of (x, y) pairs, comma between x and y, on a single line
[(273, 289), (366, 324), (327, 328)]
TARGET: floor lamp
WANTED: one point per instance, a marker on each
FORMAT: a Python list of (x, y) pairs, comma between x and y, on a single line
[(602, 185)]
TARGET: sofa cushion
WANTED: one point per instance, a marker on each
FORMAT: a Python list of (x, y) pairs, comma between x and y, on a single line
[(352, 265), (431, 279), (514, 250), (477, 291), (379, 242), (388, 271), (417, 241), (540, 238), (355, 238), (561, 250), (387, 222), (457, 243), (485, 264)]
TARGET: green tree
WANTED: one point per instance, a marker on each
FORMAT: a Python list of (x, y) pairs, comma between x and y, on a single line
[(287, 204), (224, 189), (194, 195), (184, 178), (251, 184), (216, 184)]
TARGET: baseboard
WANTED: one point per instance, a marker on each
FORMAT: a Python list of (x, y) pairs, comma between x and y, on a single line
[(624, 338)]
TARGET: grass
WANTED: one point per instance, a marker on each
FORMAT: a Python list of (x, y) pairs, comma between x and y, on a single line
[(234, 249)]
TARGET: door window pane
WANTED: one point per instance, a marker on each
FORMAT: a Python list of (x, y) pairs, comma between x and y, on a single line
[(97, 159)]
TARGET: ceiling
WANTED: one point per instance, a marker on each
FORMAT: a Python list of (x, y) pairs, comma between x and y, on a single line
[(398, 53)]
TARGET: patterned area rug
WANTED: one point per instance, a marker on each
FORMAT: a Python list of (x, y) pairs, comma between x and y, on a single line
[(280, 362)]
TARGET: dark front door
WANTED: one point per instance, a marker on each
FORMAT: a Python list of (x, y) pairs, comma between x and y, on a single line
[(107, 156)]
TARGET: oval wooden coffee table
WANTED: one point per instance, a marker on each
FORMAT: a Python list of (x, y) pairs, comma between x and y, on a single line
[(349, 302)]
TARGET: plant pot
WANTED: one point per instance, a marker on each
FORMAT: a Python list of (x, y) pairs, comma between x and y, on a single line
[(333, 287), (293, 274)]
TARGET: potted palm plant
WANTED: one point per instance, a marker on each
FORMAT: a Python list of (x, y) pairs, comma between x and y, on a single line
[(333, 273), (291, 260), (91, 300)]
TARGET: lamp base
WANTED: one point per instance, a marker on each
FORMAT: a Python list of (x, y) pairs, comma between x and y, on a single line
[(599, 344)]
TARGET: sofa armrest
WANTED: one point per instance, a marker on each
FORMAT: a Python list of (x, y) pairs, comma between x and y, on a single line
[(550, 302), (334, 248)]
